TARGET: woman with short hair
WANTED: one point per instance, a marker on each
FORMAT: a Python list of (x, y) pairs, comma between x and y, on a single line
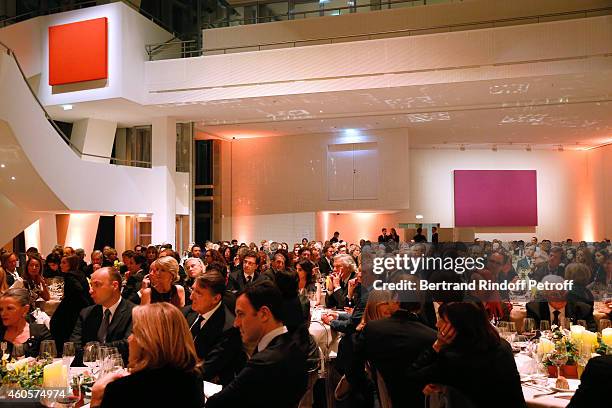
[(163, 276), (162, 363), (15, 329)]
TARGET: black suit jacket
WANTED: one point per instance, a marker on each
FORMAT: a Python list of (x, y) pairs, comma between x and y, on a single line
[(392, 345), (159, 387), (573, 310), (325, 267), (273, 377), (595, 383), (38, 333), (236, 282), (338, 298), (219, 344), (76, 297), (132, 286), (89, 321)]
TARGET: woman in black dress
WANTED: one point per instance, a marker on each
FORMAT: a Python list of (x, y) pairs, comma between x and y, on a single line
[(162, 364), (76, 297), (163, 276)]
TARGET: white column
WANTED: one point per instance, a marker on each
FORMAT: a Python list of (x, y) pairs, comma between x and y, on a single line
[(164, 166), (47, 226), (94, 136)]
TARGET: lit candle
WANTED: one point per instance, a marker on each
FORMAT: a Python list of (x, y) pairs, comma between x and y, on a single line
[(606, 336), (55, 375), (576, 332), (589, 337)]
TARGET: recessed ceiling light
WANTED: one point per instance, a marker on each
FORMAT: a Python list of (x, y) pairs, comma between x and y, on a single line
[(3, 165), (419, 216), (13, 178), (67, 107)]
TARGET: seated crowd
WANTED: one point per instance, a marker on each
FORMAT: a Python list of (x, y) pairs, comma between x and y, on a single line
[(238, 315)]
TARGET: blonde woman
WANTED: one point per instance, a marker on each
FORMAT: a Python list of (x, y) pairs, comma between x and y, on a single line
[(163, 276), (381, 304), (162, 364)]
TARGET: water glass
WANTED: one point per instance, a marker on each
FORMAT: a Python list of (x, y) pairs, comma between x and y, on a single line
[(68, 354), (18, 351), (91, 355), (529, 328), (544, 326), (48, 349)]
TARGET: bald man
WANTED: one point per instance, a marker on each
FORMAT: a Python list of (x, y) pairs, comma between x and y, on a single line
[(109, 321)]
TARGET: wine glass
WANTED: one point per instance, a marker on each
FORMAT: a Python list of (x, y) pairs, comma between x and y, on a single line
[(18, 351), (544, 326), (91, 355), (48, 349), (529, 328), (558, 357), (68, 354)]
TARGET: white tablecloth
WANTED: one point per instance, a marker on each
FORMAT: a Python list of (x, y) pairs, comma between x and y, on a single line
[(325, 337), (525, 365)]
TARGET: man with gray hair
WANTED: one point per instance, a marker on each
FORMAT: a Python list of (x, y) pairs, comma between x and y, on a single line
[(557, 309), (338, 282)]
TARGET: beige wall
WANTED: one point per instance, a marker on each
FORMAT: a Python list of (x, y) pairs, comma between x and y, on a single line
[(279, 190), (308, 31)]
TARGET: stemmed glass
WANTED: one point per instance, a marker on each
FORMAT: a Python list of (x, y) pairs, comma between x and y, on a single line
[(91, 355), (558, 357), (529, 328), (48, 349), (544, 326)]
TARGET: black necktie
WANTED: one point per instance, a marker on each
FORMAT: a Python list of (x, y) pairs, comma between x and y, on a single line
[(103, 330), (556, 318), (195, 328), (249, 278)]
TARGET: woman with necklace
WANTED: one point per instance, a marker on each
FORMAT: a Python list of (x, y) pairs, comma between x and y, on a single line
[(163, 276)]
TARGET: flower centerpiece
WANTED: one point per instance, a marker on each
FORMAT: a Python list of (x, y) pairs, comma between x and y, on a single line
[(26, 373), (562, 344)]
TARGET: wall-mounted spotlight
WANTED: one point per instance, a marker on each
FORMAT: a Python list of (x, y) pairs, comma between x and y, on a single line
[(462, 148), (528, 148)]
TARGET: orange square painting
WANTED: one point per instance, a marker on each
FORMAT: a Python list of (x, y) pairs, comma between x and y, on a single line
[(78, 52)]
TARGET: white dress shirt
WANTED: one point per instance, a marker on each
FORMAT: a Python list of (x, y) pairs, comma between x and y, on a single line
[(271, 335), (112, 309), (207, 315), (561, 315)]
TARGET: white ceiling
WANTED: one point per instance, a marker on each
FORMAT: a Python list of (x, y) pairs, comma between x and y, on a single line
[(570, 110)]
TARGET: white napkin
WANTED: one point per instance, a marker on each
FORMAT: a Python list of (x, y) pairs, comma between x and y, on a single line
[(211, 389)]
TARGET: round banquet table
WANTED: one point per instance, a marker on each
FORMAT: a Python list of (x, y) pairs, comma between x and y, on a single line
[(524, 364), (326, 338)]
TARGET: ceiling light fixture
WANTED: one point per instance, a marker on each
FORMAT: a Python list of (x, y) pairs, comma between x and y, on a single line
[(67, 107), (3, 165), (462, 148), (528, 148), (419, 216), (13, 178)]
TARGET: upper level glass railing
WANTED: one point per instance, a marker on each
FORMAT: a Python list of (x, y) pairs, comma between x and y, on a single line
[(270, 11)]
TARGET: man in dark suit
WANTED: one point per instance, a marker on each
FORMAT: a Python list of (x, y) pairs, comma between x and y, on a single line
[(384, 237), (555, 308), (241, 278), (135, 274), (276, 374), (595, 383), (552, 267), (391, 345), (216, 339), (326, 264), (109, 321), (338, 285)]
